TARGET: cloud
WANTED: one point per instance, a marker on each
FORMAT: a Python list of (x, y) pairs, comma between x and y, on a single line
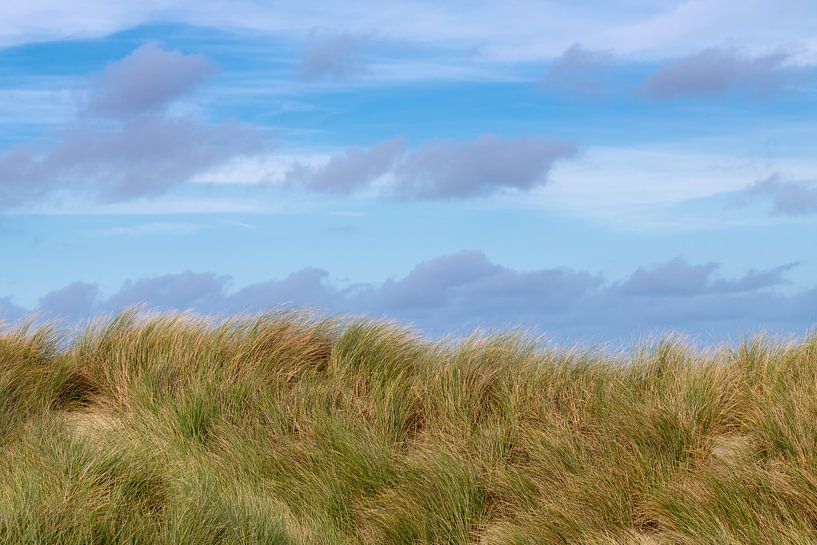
[(142, 151), (334, 56), (435, 282), (446, 170), (308, 287), (677, 278), (522, 30), (350, 171), (200, 291), (486, 165), (143, 156), (467, 285), (146, 80), (9, 312), (578, 70), (788, 198), (75, 301), (459, 292), (718, 71)]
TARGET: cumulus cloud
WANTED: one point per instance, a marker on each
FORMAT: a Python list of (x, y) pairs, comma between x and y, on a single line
[(717, 71), (788, 198), (146, 80), (578, 70), (123, 145), (333, 56), (445, 170), (458, 292)]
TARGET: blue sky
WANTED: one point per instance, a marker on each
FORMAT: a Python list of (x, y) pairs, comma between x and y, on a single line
[(592, 171)]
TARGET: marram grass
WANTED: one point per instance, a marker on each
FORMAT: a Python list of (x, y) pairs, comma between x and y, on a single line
[(285, 430)]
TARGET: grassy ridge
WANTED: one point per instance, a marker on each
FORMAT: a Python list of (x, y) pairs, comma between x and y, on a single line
[(283, 430)]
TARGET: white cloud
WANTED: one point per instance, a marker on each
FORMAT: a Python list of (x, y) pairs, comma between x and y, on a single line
[(682, 27), (529, 29), (610, 178)]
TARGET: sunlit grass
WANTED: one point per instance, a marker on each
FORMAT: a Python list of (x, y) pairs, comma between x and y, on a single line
[(281, 429)]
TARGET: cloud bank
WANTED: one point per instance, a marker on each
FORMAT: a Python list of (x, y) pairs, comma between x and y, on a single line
[(458, 292)]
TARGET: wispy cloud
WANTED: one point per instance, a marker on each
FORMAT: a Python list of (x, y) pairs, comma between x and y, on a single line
[(530, 30)]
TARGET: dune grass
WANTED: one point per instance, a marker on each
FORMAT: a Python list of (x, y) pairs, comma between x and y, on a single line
[(284, 430)]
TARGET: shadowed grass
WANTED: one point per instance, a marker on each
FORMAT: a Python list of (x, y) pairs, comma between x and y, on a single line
[(285, 430)]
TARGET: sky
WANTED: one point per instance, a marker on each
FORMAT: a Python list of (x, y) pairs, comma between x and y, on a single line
[(592, 172)]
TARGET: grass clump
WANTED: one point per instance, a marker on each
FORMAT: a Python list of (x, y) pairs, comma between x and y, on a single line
[(285, 430)]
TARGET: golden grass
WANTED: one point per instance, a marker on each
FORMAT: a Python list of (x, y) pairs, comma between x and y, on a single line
[(282, 429)]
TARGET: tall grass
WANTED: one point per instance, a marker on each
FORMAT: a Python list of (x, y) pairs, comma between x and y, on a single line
[(285, 430)]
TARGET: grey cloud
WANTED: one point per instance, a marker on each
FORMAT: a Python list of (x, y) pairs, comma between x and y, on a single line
[(578, 70), (142, 156), (74, 301), (128, 155), (718, 70), (350, 171), (146, 80), (462, 291), (444, 170), (486, 165), (204, 292), (209, 293), (9, 312), (789, 198), (674, 278), (307, 287), (755, 279), (333, 56), (677, 278), (433, 282), (468, 280)]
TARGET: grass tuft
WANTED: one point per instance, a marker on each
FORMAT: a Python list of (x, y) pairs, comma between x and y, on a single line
[(283, 429)]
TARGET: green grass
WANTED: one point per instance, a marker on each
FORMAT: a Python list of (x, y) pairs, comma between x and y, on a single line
[(284, 430)]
